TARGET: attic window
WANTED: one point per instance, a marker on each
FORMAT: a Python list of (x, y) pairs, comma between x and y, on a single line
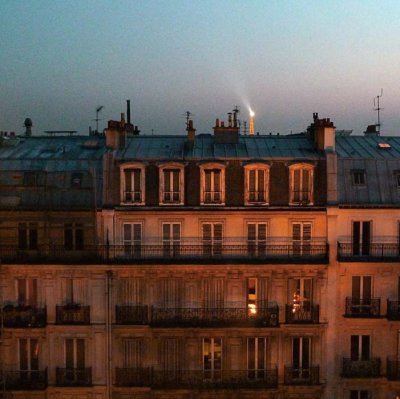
[(397, 178), (30, 178), (358, 177), (384, 146)]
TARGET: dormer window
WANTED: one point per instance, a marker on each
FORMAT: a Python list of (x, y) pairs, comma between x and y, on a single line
[(132, 184), (171, 184), (256, 184), (212, 190), (358, 177), (301, 180)]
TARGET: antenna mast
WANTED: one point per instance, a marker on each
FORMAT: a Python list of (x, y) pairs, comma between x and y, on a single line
[(378, 109), (98, 109)]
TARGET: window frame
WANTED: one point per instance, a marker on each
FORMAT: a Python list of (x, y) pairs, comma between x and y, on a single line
[(361, 176), (256, 167), (130, 166), (161, 191), (301, 167), (212, 166)]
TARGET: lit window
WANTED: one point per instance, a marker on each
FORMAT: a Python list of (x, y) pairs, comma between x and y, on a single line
[(301, 181), (212, 189), (171, 184), (132, 184), (251, 296), (256, 184), (358, 177)]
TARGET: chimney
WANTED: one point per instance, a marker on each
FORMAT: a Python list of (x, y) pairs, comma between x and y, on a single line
[(324, 133), (226, 134), (128, 111), (28, 127), (116, 134), (191, 134), (371, 131)]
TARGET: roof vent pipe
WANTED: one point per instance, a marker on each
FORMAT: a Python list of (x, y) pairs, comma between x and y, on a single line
[(128, 111)]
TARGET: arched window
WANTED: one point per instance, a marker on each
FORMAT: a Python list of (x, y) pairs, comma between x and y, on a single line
[(212, 184), (256, 184), (301, 184), (132, 178), (171, 189)]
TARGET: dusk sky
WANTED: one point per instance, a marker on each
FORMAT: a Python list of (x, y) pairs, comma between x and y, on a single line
[(61, 59)]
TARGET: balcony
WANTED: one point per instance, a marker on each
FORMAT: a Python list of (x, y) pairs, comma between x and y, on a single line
[(73, 314), (193, 250), (74, 377), (393, 370), (24, 316), (393, 310), (224, 316), (198, 379), (132, 314), (302, 314), (370, 368), (302, 375), (363, 308), (384, 249), (25, 380)]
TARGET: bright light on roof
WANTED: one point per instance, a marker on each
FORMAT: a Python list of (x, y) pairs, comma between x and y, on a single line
[(384, 145)]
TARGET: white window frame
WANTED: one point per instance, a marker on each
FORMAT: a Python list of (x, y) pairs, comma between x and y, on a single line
[(213, 245), (171, 246), (256, 167), (301, 167), (28, 352), (259, 371), (211, 166), (301, 241), (29, 283), (162, 188), (75, 351), (123, 169), (132, 246)]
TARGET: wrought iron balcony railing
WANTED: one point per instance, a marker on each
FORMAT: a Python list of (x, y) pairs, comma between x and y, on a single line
[(393, 370), (230, 379), (363, 307), (382, 249), (393, 310), (74, 377), (25, 380), (370, 368), (72, 314), (21, 316), (230, 314), (232, 249), (302, 375), (302, 314)]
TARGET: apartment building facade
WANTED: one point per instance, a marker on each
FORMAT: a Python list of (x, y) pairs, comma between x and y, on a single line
[(199, 266)]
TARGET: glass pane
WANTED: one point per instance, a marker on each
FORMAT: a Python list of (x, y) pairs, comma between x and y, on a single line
[(34, 354), (136, 180), (356, 287), (261, 354), (367, 287), (23, 354), (69, 353), (80, 353), (127, 232), (217, 180), (128, 183), (22, 294), (296, 352), (251, 353), (176, 183), (365, 345), (354, 347)]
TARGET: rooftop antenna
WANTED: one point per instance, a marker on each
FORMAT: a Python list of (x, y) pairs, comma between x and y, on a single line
[(378, 108), (98, 109), (188, 115), (236, 122)]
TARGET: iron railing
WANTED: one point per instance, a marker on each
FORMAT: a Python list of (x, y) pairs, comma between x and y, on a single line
[(393, 370), (21, 316), (74, 377), (393, 310), (230, 379), (301, 375), (18, 380), (363, 307), (302, 314), (199, 316), (386, 250), (370, 368), (240, 249), (72, 314)]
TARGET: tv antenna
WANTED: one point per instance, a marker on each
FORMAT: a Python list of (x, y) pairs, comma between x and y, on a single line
[(188, 115), (98, 109), (378, 108)]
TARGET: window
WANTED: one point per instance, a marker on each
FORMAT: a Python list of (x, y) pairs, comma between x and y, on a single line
[(301, 358), (361, 295), (358, 177), (256, 358), (27, 236), (27, 291), (256, 238), (171, 184), (74, 291), (132, 184), (212, 188), (212, 358), (133, 353), (301, 178), (360, 395), (360, 347), (397, 178), (256, 297), (76, 180), (256, 184), (31, 178), (132, 239), (171, 236), (301, 238), (212, 239), (73, 236), (300, 298), (75, 360), (28, 354), (361, 237)]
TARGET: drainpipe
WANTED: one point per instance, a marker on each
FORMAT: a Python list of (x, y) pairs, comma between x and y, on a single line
[(109, 331)]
